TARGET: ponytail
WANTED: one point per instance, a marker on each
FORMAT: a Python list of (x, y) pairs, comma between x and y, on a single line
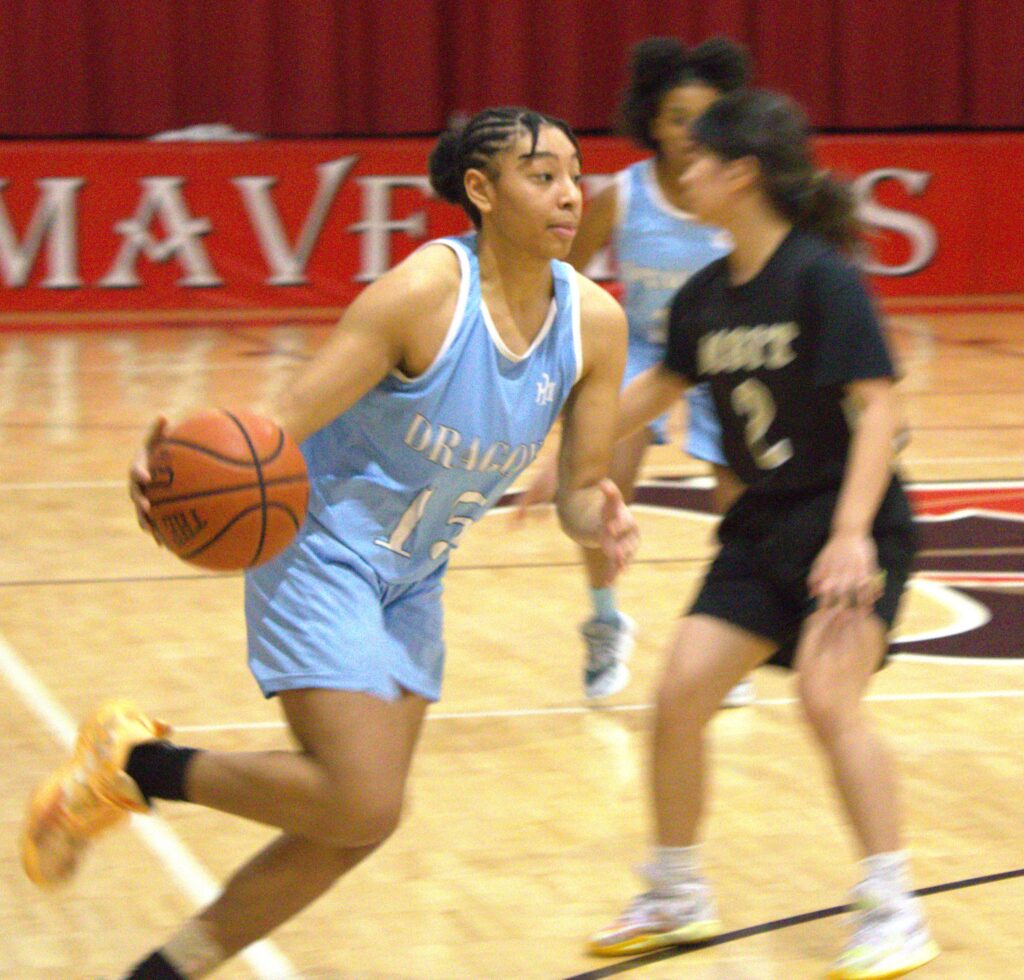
[(829, 209), (773, 129)]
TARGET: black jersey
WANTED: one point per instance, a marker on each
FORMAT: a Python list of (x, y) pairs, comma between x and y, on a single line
[(778, 351)]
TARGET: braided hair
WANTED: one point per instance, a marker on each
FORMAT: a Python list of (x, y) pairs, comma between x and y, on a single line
[(474, 145)]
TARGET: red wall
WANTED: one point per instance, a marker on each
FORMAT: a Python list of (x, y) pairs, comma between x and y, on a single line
[(303, 224), (385, 67)]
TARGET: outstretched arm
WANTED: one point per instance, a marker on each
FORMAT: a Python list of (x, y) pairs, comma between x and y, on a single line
[(647, 396), (589, 505)]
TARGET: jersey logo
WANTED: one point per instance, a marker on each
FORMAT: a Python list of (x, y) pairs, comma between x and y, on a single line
[(545, 390)]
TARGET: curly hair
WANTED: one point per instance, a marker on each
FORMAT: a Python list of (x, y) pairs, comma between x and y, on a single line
[(719, 62), (657, 65)]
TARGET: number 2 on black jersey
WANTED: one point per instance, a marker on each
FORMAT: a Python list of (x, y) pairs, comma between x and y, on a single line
[(754, 403)]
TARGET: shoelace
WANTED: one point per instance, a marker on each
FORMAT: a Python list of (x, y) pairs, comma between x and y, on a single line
[(874, 924), (640, 908), (685, 898), (602, 639)]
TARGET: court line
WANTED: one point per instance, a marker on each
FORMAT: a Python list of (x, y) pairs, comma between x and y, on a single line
[(950, 579), (198, 576), (119, 579), (696, 482), (898, 305), (192, 879), (580, 709), (625, 966), (69, 485)]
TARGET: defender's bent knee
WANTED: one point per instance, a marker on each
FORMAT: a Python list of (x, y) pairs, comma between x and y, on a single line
[(829, 716), (683, 701)]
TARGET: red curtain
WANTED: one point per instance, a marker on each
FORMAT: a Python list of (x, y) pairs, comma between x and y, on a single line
[(389, 67)]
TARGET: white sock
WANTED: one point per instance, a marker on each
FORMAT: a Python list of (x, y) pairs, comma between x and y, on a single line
[(677, 865), (887, 873), (193, 951)]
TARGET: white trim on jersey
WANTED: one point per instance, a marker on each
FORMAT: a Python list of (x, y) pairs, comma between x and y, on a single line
[(500, 344), (622, 196), (457, 316), (657, 196), (577, 333)]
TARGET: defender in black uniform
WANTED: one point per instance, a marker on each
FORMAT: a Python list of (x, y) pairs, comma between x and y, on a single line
[(816, 552)]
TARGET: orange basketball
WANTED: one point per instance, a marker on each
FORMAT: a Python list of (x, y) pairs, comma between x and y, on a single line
[(229, 489)]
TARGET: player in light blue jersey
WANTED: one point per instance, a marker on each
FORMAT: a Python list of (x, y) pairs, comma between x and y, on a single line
[(434, 392), (657, 246)]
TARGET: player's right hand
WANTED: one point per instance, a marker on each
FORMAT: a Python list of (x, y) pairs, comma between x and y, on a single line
[(620, 533), (139, 477)]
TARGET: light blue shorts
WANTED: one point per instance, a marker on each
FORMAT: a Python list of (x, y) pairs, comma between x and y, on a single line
[(319, 617), (703, 430), (641, 355)]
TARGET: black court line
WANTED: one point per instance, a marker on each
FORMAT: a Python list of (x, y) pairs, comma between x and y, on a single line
[(184, 577), (624, 966), (452, 570), (119, 579)]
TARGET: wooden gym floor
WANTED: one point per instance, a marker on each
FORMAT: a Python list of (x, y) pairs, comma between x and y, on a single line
[(527, 807)]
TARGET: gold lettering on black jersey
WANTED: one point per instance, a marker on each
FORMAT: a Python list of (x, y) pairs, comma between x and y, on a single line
[(747, 348)]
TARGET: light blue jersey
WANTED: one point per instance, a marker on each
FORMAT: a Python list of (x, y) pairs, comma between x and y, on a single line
[(658, 248), (402, 473), (354, 602)]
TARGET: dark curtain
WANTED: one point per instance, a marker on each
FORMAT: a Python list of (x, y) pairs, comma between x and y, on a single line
[(391, 67)]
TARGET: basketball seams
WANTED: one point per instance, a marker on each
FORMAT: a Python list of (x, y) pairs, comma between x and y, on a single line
[(221, 503), (277, 481), (285, 508), (277, 450), (273, 505), (259, 477), (213, 454)]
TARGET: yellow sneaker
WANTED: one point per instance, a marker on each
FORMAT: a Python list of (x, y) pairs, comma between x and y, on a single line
[(890, 939), (88, 794), (678, 915)]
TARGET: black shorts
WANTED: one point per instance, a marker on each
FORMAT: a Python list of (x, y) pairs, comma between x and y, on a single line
[(759, 579)]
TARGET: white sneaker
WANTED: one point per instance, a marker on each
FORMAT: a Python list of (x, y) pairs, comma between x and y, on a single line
[(674, 915), (742, 695), (890, 938), (609, 646)]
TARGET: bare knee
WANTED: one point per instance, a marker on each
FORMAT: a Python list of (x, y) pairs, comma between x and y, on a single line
[(829, 715), (356, 819), (683, 700)]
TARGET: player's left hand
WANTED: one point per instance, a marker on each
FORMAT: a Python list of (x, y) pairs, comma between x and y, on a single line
[(845, 574), (541, 490), (620, 534)]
